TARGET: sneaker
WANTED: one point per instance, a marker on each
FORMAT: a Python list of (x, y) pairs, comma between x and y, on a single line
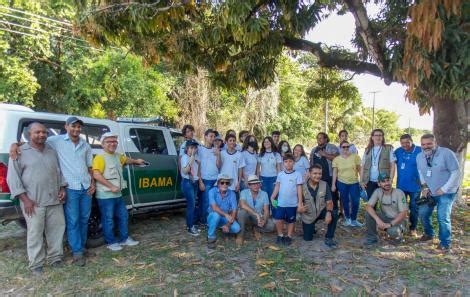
[(57, 264), (426, 237), (280, 239), (329, 242), (369, 242), (79, 260), (355, 223), (193, 231), (346, 222), (114, 247), (129, 242), (211, 243), (413, 234), (38, 271), (288, 240), (442, 249)]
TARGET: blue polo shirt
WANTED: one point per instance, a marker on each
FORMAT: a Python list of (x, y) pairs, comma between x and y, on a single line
[(407, 169), (226, 204)]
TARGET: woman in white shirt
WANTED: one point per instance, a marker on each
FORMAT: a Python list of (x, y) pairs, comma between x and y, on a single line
[(250, 156), (301, 162), (269, 165)]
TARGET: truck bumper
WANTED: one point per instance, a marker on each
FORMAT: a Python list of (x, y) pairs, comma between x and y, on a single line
[(9, 211)]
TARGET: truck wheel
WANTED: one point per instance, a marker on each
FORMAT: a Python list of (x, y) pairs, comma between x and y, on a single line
[(95, 242), (95, 230), (22, 223)]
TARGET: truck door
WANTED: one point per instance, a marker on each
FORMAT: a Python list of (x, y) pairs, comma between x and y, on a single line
[(156, 182)]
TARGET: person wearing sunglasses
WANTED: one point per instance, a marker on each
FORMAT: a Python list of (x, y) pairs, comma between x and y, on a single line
[(378, 158), (222, 209), (343, 136), (346, 168)]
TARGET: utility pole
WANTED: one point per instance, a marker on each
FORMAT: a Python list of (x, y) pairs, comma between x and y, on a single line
[(373, 108)]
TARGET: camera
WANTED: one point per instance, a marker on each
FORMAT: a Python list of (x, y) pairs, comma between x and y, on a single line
[(429, 200)]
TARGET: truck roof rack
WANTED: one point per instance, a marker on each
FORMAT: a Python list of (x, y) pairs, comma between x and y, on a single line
[(155, 120)]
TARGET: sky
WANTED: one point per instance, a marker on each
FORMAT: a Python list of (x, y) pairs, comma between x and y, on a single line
[(338, 30)]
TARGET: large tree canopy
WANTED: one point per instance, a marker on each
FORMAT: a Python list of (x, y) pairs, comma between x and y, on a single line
[(424, 43)]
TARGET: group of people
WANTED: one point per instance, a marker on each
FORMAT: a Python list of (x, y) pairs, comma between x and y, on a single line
[(55, 178), (234, 186), (267, 187)]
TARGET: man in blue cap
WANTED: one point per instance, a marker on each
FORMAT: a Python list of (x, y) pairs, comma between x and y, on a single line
[(390, 215)]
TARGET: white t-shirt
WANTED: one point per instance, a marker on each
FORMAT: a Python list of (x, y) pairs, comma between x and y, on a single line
[(268, 164), (374, 168), (208, 160), (288, 188), (184, 162), (230, 165), (302, 165), (251, 161)]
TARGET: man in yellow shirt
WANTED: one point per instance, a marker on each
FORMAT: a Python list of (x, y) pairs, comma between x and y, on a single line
[(107, 171)]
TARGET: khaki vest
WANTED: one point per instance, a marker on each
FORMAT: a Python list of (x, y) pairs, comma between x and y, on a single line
[(112, 173), (313, 207), (384, 162)]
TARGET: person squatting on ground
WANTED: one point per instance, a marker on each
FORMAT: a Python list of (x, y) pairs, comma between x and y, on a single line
[(107, 171), (318, 205), (36, 179), (222, 210), (254, 210), (439, 173), (286, 198), (391, 214)]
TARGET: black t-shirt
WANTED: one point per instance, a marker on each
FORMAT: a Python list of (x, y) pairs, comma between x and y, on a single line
[(323, 162), (313, 192)]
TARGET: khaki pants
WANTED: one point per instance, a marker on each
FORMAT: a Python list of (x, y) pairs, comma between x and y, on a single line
[(48, 222), (245, 218)]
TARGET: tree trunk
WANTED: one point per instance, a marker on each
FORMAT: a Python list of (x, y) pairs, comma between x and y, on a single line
[(451, 123)]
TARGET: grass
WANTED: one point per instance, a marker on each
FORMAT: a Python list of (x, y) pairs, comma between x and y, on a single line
[(169, 262)]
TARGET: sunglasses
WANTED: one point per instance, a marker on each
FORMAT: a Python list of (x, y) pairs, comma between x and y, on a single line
[(345, 147), (224, 183)]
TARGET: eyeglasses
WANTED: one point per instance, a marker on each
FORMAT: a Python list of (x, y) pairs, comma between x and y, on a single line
[(224, 183), (345, 147), (110, 142)]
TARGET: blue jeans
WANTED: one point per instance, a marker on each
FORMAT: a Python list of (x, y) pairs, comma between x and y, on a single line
[(204, 203), (349, 193), (113, 208), (190, 190), (444, 209), (77, 209), (413, 208), (215, 220)]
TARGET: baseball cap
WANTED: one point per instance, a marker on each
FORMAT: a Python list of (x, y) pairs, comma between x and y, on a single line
[(253, 179), (191, 142), (106, 135), (383, 176), (72, 120), (223, 176)]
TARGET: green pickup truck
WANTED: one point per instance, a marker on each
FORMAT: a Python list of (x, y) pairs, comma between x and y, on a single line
[(155, 186)]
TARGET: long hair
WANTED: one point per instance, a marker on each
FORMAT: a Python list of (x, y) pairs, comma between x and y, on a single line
[(247, 140), (302, 151), (371, 142), (263, 149), (280, 147)]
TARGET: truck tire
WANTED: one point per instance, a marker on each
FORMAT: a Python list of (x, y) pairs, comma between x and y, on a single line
[(92, 243), (95, 230)]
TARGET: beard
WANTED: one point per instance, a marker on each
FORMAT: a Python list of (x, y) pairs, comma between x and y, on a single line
[(428, 152)]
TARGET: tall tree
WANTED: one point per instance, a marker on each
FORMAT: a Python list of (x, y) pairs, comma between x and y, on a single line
[(421, 43)]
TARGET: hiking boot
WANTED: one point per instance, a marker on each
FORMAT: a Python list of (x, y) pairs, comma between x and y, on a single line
[(38, 271), (356, 223), (426, 237), (442, 249), (114, 247), (370, 242), (211, 243), (329, 242), (57, 264), (397, 241), (413, 234), (279, 239), (129, 242), (288, 240), (79, 260), (193, 231)]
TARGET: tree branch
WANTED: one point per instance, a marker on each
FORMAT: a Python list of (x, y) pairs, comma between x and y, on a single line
[(358, 10), (256, 7), (332, 60)]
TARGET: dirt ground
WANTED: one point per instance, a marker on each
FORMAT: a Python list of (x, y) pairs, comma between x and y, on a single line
[(169, 262)]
